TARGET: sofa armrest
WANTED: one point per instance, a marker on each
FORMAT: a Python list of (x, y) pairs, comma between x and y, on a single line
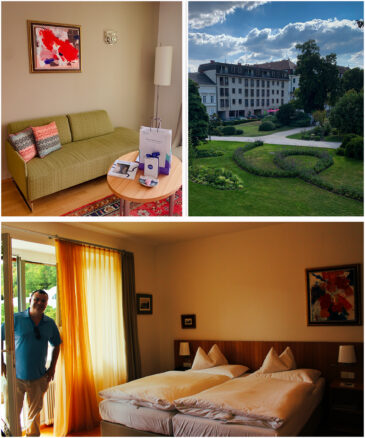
[(17, 167)]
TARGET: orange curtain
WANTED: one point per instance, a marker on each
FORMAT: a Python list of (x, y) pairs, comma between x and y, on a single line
[(86, 279)]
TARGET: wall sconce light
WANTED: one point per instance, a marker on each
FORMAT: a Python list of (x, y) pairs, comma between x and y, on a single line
[(110, 37), (346, 355)]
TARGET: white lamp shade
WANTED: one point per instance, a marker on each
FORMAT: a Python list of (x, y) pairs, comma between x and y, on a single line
[(163, 65), (346, 354), (184, 349)]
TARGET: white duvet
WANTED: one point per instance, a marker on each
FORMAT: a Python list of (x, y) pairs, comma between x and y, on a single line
[(160, 390), (246, 400)]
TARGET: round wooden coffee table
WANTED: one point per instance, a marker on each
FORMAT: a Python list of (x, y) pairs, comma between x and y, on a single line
[(132, 191)]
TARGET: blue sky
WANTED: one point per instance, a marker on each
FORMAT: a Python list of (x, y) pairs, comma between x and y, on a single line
[(261, 31)]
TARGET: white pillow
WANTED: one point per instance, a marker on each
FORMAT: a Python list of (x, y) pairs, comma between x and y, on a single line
[(217, 356), (299, 375), (287, 358), (272, 363), (231, 371), (201, 360)]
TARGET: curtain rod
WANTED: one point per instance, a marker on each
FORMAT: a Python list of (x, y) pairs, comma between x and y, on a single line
[(56, 236)]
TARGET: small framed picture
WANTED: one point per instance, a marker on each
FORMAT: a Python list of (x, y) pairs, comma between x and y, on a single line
[(54, 47), (144, 304), (333, 295), (188, 321)]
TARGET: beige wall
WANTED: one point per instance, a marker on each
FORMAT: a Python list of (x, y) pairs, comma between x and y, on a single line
[(169, 34), (144, 257), (251, 285), (117, 78)]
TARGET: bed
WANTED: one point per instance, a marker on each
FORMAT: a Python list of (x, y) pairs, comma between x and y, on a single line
[(123, 418)]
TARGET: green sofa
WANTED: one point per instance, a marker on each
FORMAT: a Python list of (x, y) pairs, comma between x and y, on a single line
[(90, 145)]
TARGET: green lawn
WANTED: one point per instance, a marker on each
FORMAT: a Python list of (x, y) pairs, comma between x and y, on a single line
[(251, 129), (264, 196), (334, 138)]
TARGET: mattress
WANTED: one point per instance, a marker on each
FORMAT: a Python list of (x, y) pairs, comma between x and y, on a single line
[(187, 425), (137, 417)]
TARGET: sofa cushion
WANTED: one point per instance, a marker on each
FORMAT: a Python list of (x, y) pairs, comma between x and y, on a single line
[(61, 122), (78, 162), (90, 124), (24, 143), (46, 139)]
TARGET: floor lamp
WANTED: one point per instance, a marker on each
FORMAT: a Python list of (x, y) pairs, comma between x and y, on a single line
[(163, 66)]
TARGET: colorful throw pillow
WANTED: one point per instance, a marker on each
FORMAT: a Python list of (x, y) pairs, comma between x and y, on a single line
[(23, 142), (47, 139)]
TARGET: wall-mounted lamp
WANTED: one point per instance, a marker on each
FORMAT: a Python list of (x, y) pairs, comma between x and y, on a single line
[(110, 37), (346, 355), (184, 351)]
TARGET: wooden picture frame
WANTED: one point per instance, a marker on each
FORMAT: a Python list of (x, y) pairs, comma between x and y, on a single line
[(333, 295), (54, 47), (144, 304), (188, 321)]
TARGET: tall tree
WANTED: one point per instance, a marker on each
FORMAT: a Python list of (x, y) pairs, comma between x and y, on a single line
[(353, 79), (348, 114), (319, 80), (198, 116)]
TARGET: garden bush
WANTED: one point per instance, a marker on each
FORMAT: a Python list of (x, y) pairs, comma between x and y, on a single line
[(355, 148), (301, 120), (267, 126), (228, 130), (206, 153), (346, 139), (222, 179)]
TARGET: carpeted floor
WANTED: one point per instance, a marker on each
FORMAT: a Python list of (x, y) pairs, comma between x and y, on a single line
[(109, 206)]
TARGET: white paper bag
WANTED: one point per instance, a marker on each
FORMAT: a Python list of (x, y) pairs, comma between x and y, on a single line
[(155, 140)]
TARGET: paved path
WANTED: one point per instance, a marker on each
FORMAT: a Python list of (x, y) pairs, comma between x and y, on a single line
[(280, 138)]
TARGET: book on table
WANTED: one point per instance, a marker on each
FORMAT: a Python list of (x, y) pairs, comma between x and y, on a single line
[(124, 169)]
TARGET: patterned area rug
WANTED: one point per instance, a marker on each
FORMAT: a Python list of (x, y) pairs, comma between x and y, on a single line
[(109, 206)]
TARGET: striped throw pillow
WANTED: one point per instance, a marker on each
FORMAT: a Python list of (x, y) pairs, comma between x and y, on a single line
[(47, 139), (23, 142)]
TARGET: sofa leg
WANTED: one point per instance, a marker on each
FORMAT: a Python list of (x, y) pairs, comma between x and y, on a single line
[(30, 203)]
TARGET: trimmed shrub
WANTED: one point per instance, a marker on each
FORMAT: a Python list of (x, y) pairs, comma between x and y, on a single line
[(239, 131), (267, 126), (222, 179), (229, 130), (346, 139), (355, 148), (340, 151), (207, 153)]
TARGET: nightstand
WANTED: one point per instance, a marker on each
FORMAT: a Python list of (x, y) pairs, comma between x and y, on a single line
[(182, 368), (346, 409)]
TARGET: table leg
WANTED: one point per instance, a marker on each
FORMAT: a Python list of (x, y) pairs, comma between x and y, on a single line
[(172, 204), (126, 208), (121, 207)]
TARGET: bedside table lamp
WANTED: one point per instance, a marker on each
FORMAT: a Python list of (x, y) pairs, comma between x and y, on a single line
[(346, 355), (184, 351)]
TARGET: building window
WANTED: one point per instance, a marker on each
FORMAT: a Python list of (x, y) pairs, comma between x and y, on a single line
[(262, 102), (268, 83), (239, 101), (272, 91), (277, 100), (293, 80), (257, 102), (221, 81), (227, 102), (263, 83), (226, 91), (252, 82), (246, 82), (282, 101), (246, 92), (221, 91), (262, 93), (233, 91), (239, 80), (240, 91), (222, 102), (233, 80), (272, 100), (252, 102), (267, 93), (226, 80), (246, 102), (267, 102), (257, 82), (282, 84), (211, 99), (204, 99), (277, 83), (277, 91), (252, 92), (282, 93), (233, 101), (257, 92)]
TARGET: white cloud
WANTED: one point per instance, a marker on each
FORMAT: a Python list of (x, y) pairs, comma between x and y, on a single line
[(342, 37), (205, 14)]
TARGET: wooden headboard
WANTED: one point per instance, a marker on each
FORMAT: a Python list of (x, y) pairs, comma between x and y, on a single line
[(318, 355)]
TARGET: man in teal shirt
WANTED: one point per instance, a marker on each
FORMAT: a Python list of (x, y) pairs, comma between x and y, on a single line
[(32, 331)]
